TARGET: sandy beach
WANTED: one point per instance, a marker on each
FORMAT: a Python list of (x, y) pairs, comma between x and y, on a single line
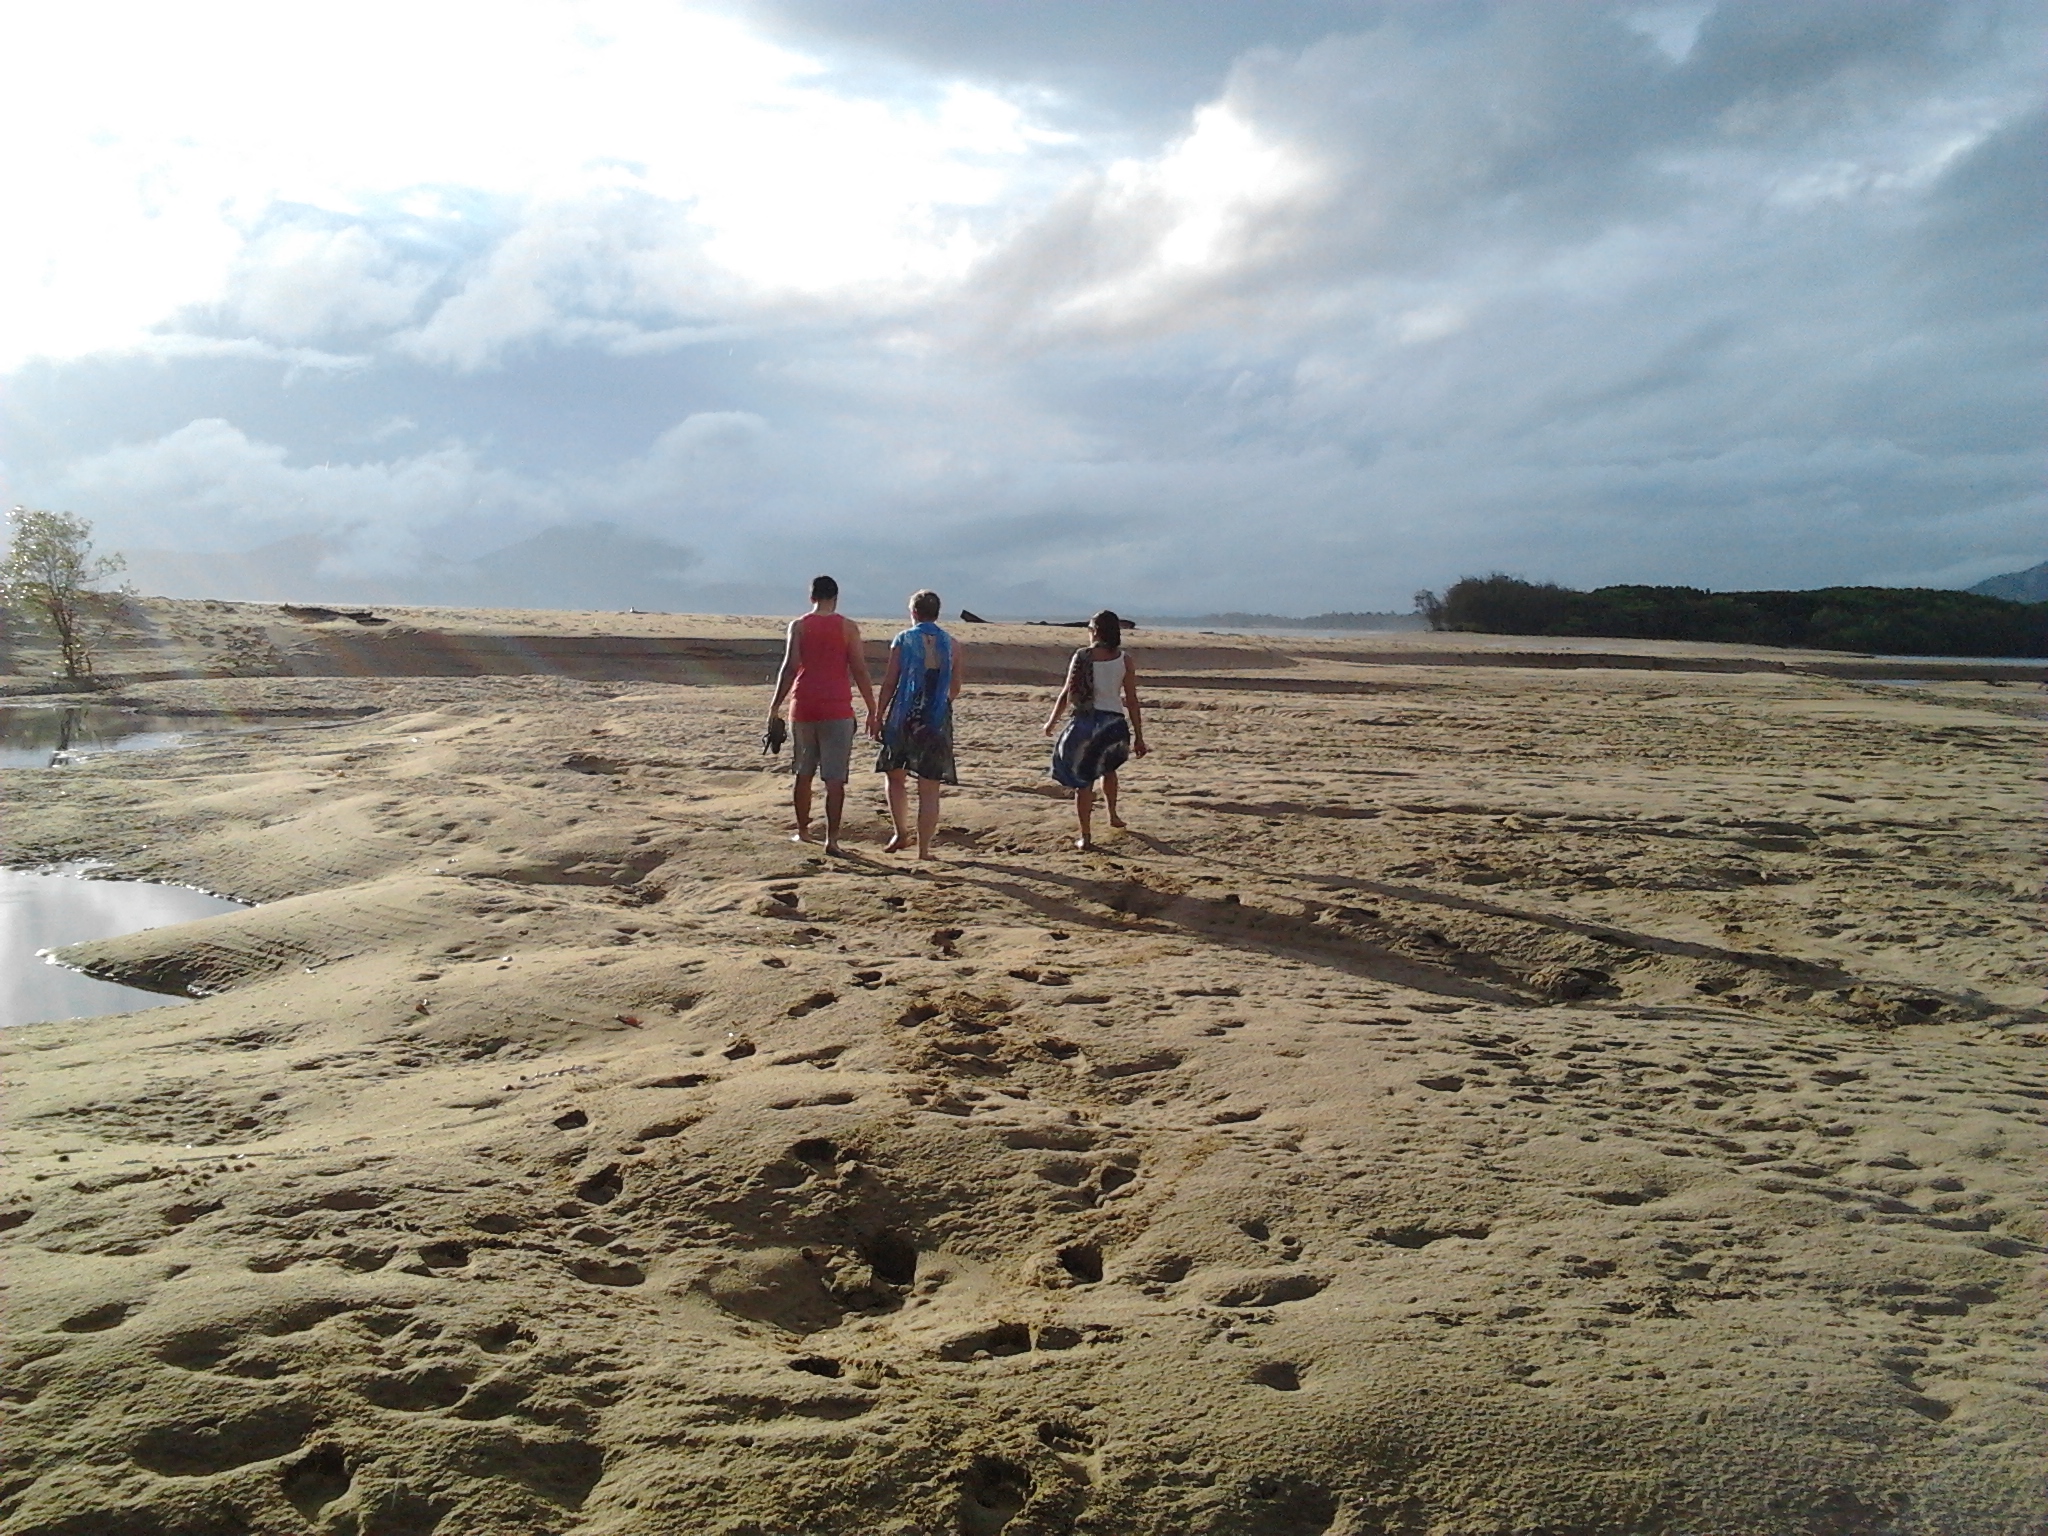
[(1593, 1095)]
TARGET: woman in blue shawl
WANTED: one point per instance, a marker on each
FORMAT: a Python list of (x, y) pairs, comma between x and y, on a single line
[(915, 724)]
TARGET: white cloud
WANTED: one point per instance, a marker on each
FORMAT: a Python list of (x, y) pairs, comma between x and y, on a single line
[(709, 467), (166, 139), (226, 491), (296, 282), (1224, 198), (571, 272)]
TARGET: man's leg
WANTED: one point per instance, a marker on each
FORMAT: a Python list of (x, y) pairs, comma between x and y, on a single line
[(899, 810), (1109, 797), (1084, 810), (927, 815), (835, 762), (800, 798), (835, 806)]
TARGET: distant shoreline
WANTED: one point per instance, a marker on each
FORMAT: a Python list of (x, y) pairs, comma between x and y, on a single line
[(1344, 621)]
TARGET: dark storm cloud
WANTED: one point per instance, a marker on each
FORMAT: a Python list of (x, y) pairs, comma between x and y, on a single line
[(1136, 60), (1979, 249)]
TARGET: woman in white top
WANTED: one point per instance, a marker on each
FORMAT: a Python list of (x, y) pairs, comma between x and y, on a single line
[(1107, 725)]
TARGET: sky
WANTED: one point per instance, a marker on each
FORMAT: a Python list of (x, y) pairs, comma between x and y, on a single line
[(1286, 306)]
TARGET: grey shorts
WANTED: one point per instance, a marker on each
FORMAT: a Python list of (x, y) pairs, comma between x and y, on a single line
[(823, 747)]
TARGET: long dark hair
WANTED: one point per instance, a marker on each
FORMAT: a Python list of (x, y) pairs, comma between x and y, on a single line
[(1107, 630)]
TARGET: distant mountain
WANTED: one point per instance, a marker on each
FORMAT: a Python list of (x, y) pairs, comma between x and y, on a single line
[(2028, 586)]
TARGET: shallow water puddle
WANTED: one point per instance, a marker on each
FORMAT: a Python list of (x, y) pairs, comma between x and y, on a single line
[(47, 909), (32, 737), (51, 736)]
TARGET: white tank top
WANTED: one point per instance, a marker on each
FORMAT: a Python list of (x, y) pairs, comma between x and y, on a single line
[(1109, 685)]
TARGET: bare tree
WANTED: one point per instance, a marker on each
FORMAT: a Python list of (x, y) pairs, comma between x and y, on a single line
[(49, 574)]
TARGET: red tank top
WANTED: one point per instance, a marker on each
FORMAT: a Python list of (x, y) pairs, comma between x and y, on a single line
[(824, 687)]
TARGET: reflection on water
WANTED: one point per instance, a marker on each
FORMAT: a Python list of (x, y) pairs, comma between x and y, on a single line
[(48, 738), (46, 909)]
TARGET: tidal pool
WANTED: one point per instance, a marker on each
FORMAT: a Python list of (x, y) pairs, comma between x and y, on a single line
[(32, 737), (49, 908), (50, 736)]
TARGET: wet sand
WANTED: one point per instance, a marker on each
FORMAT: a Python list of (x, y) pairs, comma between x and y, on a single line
[(1472, 1099)]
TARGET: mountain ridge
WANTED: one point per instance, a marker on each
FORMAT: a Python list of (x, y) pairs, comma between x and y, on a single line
[(2028, 586)]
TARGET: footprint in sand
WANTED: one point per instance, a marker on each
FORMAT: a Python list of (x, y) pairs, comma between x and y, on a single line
[(315, 1480), (98, 1319), (993, 1492), (222, 1443), (422, 1391), (1280, 1375)]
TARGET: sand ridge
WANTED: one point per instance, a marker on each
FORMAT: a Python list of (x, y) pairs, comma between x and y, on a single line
[(160, 639), (1582, 1102)]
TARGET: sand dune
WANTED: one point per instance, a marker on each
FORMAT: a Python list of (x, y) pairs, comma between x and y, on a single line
[(1470, 1100)]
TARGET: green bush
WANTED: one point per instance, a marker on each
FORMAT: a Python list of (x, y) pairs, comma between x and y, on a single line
[(1897, 621)]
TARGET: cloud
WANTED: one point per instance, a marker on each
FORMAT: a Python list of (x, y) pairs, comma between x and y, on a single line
[(606, 268), (406, 523), (1134, 66), (609, 151), (586, 565), (224, 491), (1284, 306), (300, 281)]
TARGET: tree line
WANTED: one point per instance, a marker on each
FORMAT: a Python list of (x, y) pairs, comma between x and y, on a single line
[(1895, 621)]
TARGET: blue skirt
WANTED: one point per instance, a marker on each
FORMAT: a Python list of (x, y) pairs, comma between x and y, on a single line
[(1095, 742)]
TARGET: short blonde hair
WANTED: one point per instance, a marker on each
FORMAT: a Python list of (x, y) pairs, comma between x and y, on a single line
[(925, 605)]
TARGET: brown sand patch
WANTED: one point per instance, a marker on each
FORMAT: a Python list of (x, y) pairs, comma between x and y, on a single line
[(1590, 1101)]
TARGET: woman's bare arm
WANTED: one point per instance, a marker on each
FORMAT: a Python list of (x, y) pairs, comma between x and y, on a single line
[(1059, 705), (1131, 705)]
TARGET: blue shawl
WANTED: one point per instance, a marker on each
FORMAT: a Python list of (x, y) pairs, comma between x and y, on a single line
[(909, 701)]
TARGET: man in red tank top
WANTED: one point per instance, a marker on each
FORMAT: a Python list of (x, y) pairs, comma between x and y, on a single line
[(822, 664)]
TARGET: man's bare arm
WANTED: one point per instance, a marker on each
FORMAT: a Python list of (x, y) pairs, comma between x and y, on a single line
[(792, 653), (857, 665)]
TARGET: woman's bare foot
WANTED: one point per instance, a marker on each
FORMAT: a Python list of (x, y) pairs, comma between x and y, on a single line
[(1116, 820), (895, 844), (800, 835), (1084, 844), (833, 850)]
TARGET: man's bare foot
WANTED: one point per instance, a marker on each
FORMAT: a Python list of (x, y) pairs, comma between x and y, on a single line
[(895, 844), (800, 835), (1084, 844), (835, 850), (1116, 820)]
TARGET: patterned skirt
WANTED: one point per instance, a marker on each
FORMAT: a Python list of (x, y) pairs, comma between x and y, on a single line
[(918, 749), (1095, 742)]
